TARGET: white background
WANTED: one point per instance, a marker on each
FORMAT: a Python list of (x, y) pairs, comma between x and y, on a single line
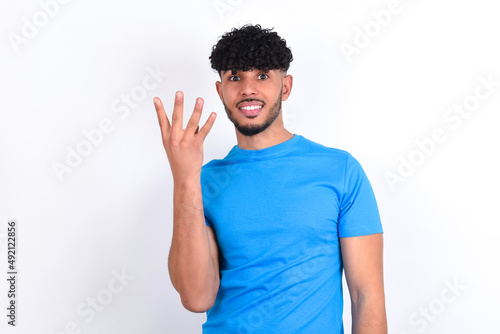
[(113, 211)]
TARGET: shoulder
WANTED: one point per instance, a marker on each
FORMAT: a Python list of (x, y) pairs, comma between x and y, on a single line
[(310, 147), (337, 160)]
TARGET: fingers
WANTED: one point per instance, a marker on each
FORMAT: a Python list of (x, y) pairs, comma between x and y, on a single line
[(203, 132), (177, 114), (192, 126), (162, 117)]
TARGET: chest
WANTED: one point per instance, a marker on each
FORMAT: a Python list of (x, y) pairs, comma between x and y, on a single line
[(270, 206)]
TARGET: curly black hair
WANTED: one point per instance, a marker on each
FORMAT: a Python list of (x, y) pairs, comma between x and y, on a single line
[(250, 47)]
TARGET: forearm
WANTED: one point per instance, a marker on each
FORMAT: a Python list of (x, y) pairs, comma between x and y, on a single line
[(368, 315), (191, 267)]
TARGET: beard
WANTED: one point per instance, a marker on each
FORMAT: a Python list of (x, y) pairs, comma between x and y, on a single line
[(253, 129)]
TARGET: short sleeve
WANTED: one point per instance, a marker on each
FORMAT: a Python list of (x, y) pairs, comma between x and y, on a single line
[(359, 214)]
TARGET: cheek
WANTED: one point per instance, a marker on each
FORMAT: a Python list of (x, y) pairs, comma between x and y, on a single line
[(229, 96)]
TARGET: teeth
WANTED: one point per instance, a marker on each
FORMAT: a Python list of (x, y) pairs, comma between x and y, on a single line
[(251, 107)]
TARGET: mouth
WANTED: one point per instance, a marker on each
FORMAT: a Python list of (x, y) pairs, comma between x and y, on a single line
[(250, 108)]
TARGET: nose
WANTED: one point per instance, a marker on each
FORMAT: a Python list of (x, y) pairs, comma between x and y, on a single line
[(248, 87)]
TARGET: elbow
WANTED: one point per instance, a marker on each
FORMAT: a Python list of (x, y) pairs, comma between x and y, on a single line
[(197, 304)]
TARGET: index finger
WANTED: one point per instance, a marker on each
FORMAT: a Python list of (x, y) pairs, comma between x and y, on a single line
[(208, 125)]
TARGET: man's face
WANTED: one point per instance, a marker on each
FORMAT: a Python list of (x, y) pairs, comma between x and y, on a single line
[(252, 99)]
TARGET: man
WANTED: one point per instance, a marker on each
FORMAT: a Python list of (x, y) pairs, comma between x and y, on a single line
[(261, 237)]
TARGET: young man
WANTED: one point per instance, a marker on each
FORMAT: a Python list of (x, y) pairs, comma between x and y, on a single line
[(261, 237)]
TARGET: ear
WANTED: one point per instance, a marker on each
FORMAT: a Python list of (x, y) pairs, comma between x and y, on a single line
[(287, 83), (218, 87)]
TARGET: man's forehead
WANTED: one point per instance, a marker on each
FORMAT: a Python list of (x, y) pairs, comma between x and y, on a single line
[(235, 71)]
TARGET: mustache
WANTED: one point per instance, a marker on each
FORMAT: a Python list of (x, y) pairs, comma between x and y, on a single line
[(250, 100)]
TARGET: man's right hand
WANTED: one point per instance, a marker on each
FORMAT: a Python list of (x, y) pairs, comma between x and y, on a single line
[(184, 147)]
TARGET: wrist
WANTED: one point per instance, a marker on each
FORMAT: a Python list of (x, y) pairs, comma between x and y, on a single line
[(187, 181)]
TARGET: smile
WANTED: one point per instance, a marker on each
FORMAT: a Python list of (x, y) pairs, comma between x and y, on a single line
[(251, 107), (250, 111)]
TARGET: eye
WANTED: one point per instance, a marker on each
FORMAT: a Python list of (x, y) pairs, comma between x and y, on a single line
[(263, 76), (234, 78)]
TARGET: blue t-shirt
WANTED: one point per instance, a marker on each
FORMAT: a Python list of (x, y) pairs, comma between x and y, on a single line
[(278, 214)]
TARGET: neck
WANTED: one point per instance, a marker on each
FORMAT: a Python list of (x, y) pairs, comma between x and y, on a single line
[(267, 138)]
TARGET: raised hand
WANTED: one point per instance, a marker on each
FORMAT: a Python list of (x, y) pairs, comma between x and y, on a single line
[(184, 147)]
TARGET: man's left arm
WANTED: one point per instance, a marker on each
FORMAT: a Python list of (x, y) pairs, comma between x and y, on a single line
[(362, 258)]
